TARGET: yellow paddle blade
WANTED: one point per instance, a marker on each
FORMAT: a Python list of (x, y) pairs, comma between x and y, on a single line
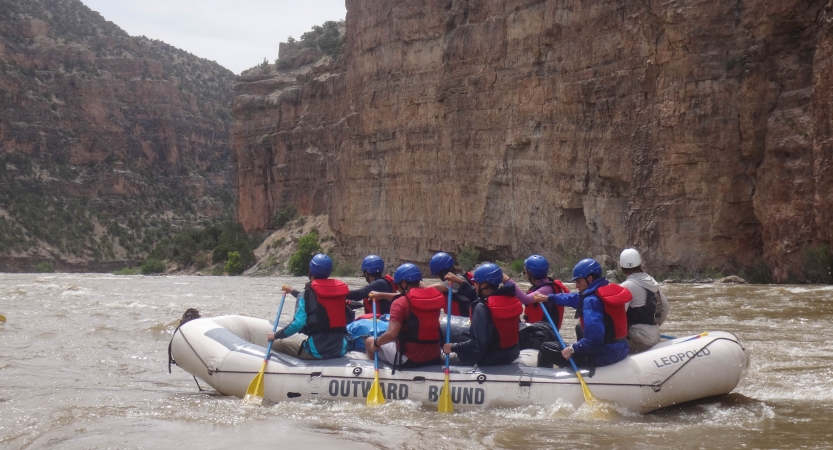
[(254, 395), (596, 409), (375, 397), (445, 405), (588, 397), (2, 318)]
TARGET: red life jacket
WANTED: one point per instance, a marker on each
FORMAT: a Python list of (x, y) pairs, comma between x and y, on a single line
[(469, 277), (423, 323), (614, 298), (506, 311), (326, 311), (368, 304), (534, 313)]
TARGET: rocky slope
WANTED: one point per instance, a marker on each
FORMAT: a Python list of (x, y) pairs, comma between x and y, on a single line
[(698, 132), (107, 142)]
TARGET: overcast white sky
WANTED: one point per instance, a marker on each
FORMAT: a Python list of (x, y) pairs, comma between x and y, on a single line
[(238, 34)]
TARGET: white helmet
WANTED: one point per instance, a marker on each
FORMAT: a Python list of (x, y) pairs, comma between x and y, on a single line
[(629, 259)]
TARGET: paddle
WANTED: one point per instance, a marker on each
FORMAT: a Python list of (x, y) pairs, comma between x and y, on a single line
[(2, 318), (254, 395), (703, 334), (588, 397), (665, 336), (375, 397), (444, 405)]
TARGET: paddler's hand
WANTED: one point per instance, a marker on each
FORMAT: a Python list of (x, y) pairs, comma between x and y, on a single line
[(505, 278), (540, 298), (270, 337), (447, 348), (567, 353), (287, 289), (453, 278)]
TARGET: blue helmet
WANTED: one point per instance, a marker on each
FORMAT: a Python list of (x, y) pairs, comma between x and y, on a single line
[(488, 273), (407, 272), (320, 266), (587, 267), (537, 266), (440, 262), (373, 264)]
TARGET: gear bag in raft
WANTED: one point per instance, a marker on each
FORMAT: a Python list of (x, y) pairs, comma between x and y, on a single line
[(506, 312), (533, 311), (326, 311), (613, 298), (532, 335)]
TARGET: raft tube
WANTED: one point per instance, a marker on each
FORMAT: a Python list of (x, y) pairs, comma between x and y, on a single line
[(227, 352)]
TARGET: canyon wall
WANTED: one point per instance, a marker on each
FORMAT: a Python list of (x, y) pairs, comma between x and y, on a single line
[(108, 143), (698, 132)]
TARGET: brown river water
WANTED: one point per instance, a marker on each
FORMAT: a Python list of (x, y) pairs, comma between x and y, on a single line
[(83, 365)]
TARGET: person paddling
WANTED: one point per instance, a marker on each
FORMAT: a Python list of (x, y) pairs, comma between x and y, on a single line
[(462, 292), (649, 307), (373, 268), (600, 308), (319, 314), (494, 323), (413, 335), (536, 268)]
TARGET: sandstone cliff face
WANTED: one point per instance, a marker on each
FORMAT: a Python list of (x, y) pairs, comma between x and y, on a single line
[(107, 142), (698, 132)]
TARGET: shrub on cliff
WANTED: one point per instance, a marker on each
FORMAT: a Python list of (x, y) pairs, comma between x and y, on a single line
[(817, 264), (283, 216), (152, 266), (308, 246), (234, 265), (219, 239), (468, 257), (516, 268), (327, 37), (45, 267)]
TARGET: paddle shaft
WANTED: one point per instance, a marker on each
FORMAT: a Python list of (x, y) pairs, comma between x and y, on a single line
[(448, 331), (558, 335), (444, 402), (274, 329), (376, 353)]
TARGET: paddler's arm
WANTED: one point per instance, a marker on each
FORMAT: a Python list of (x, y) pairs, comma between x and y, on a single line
[(594, 329), (298, 320), (389, 336), (481, 336), (571, 299), (363, 292), (381, 295)]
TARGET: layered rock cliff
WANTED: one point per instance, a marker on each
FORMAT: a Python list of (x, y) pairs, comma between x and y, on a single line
[(701, 133), (108, 142)]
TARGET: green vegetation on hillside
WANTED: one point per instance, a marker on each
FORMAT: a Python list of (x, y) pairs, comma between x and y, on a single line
[(283, 216), (141, 176), (227, 242), (327, 37), (308, 246)]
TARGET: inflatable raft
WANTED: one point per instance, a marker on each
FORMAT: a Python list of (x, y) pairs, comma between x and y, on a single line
[(227, 352)]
